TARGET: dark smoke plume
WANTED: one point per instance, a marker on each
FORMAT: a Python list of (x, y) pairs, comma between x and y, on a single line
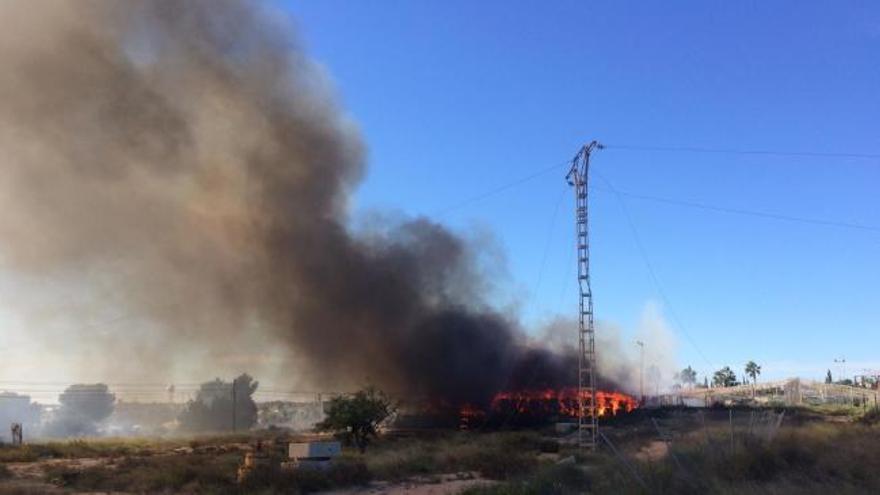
[(183, 165)]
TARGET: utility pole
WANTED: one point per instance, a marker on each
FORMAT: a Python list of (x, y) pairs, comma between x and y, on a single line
[(842, 363), (17, 434), (641, 371), (588, 421), (234, 403)]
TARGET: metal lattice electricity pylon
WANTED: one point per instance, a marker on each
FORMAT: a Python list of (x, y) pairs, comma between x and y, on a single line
[(588, 422)]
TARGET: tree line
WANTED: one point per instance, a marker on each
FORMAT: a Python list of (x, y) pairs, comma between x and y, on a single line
[(218, 405), (724, 377)]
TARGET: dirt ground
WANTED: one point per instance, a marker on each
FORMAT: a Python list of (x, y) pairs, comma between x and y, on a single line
[(653, 451), (29, 477), (445, 484)]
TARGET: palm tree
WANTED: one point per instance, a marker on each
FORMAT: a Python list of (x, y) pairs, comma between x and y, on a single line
[(753, 369)]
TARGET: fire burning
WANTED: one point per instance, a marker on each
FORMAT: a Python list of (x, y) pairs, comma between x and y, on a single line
[(541, 405), (183, 164), (563, 402)]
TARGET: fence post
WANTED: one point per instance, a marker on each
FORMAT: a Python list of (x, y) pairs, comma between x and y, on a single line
[(730, 411)]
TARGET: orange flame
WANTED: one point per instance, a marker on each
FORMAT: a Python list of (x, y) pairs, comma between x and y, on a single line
[(564, 401)]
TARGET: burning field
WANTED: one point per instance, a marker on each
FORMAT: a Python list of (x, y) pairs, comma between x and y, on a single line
[(538, 407), (563, 403)]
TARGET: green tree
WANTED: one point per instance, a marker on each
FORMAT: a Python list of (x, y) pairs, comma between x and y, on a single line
[(83, 408), (828, 378), (213, 407), (753, 369), (725, 377), (91, 402), (357, 418), (688, 376)]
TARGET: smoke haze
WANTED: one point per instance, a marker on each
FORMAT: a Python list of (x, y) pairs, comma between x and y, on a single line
[(177, 173), (618, 357)]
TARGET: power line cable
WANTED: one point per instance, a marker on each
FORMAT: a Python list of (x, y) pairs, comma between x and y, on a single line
[(533, 374), (568, 275), (130, 384), (549, 241), (497, 190), (653, 274), (739, 211), (735, 151), (709, 207)]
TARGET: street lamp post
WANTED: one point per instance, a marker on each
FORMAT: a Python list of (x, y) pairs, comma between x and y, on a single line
[(842, 362), (641, 370)]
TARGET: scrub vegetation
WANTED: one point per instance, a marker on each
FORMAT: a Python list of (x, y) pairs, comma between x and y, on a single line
[(811, 452)]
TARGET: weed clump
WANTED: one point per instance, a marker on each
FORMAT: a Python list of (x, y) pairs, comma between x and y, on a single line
[(872, 417)]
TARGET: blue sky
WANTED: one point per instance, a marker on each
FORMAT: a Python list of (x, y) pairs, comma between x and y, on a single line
[(457, 98)]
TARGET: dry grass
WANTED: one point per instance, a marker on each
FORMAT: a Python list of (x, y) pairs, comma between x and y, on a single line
[(871, 417), (123, 446), (271, 479), (66, 450), (203, 473), (177, 473), (495, 455), (811, 458), (805, 457)]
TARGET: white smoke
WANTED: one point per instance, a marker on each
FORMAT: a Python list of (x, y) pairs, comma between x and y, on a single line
[(619, 357)]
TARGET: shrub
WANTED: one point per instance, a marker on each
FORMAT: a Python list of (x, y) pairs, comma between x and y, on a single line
[(215, 403), (497, 465), (871, 417), (357, 418)]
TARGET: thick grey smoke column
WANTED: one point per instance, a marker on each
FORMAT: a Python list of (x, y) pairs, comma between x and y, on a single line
[(181, 163)]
